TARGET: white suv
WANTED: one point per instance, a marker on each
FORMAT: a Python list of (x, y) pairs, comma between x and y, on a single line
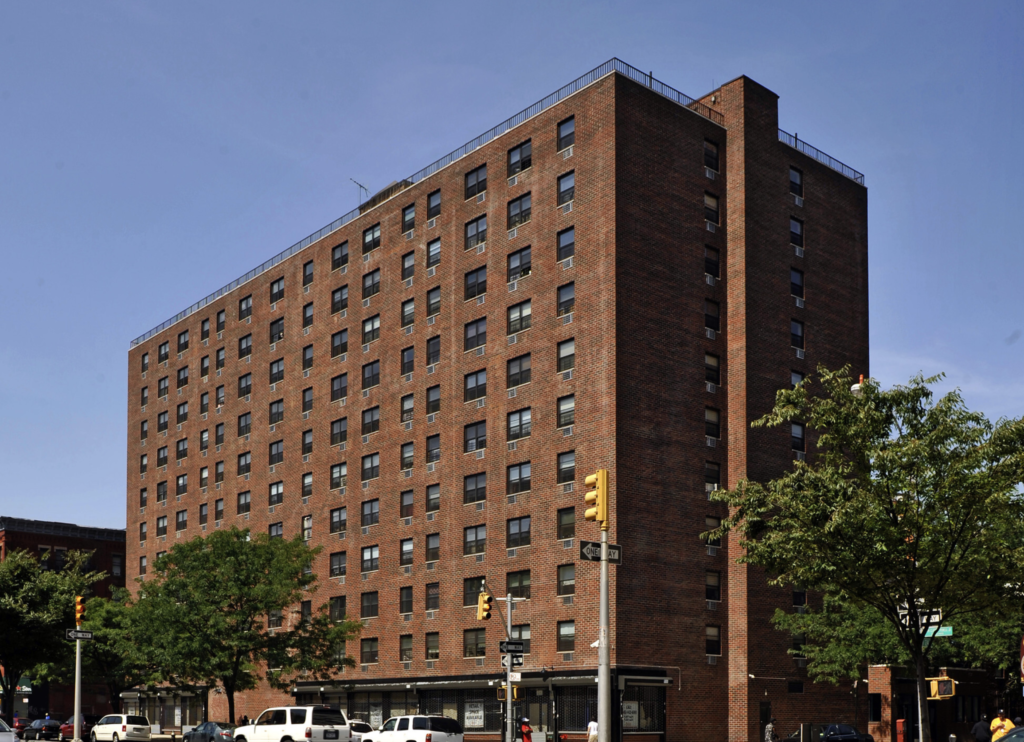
[(417, 729), (292, 723), (115, 727)]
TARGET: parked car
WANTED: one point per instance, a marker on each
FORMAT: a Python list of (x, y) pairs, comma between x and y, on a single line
[(42, 729), (6, 733), (67, 729), (358, 728), (308, 723), (837, 733), (115, 727), (417, 729), (210, 731), (19, 725)]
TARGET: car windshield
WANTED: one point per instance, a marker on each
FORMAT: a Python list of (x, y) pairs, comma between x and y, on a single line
[(138, 720), (328, 717)]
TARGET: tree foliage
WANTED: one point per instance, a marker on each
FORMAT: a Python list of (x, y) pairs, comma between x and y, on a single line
[(907, 502)]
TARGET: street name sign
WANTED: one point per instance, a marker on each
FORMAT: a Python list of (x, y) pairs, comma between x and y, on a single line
[(78, 634), (938, 631), (512, 647), (591, 552)]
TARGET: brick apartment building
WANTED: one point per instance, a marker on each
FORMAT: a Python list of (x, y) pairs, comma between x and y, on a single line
[(619, 277)]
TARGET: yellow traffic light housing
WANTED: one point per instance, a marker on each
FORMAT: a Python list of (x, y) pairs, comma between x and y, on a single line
[(941, 688), (596, 500), (79, 610), (502, 693), (516, 695), (483, 606)]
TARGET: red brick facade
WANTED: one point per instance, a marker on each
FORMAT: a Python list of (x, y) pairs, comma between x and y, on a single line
[(640, 398)]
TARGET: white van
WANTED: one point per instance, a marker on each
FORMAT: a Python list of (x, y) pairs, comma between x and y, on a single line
[(292, 723), (116, 727), (417, 729)]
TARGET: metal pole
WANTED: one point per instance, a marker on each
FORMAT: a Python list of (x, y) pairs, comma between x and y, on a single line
[(78, 690), (508, 672), (604, 690)]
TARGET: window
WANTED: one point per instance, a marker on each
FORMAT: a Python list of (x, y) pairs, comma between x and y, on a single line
[(244, 385), (795, 378), (142, 565), (566, 243), (339, 387), (475, 436), (145, 396), (476, 181), (519, 211), (795, 686), (219, 356), (711, 155), (433, 253), (517, 532), (371, 466), (796, 334), (369, 604), (276, 452), (339, 300), (519, 316), (339, 475), (144, 431), (518, 478), (145, 362), (713, 523), (219, 395), (433, 302), (243, 503), (163, 352), (796, 232), (218, 510), (277, 371), (408, 312), (475, 385), (519, 423), (161, 492), (339, 343), (307, 315), (476, 232), (245, 423), (277, 290), (276, 411), (181, 450), (566, 133), (204, 476), (712, 369), (796, 282), (433, 448), (433, 350), (474, 488), (476, 283), (474, 540), (277, 330), (713, 585), (143, 497), (338, 609), (408, 265), (339, 256), (474, 643), (433, 640), (519, 264), (404, 558), (408, 218), (181, 520), (471, 588), (567, 579), (307, 484), (518, 372), (339, 562), (711, 315), (566, 411), (371, 374), (371, 284), (406, 506), (711, 264), (799, 597), (475, 334), (371, 238), (566, 188), (245, 346), (307, 273), (204, 514), (433, 399), (244, 463), (408, 360), (518, 584), (796, 182), (519, 158), (567, 523), (712, 426), (307, 527), (245, 307), (221, 320), (277, 493), (566, 298), (408, 456), (796, 437), (182, 377), (405, 641), (566, 636), (204, 403), (434, 204), (163, 386), (204, 366), (566, 467), (371, 329), (711, 208), (433, 552), (407, 407), (161, 456), (371, 420), (371, 559), (433, 498), (339, 520), (712, 640), (218, 472), (161, 526)]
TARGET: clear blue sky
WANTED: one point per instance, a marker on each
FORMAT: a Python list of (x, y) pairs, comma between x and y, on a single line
[(152, 152)]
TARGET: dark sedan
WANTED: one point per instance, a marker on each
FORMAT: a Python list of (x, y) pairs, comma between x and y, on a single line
[(837, 733), (210, 731), (42, 729)]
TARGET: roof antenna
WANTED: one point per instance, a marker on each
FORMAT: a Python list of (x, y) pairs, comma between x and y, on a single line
[(361, 189)]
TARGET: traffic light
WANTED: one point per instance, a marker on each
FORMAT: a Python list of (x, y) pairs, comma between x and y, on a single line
[(79, 610), (503, 693), (596, 500), (483, 606), (941, 688)]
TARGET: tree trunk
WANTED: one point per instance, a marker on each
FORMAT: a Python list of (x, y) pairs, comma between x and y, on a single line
[(8, 682), (924, 723), (230, 692)]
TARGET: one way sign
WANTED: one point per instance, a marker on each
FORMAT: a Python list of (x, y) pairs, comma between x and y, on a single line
[(591, 552)]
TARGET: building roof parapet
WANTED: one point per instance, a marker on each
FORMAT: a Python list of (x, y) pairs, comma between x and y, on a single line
[(817, 154), (68, 530)]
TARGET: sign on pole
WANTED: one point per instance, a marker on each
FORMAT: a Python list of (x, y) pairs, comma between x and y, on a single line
[(512, 647), (77, 634), (591, 551), (515, 677)]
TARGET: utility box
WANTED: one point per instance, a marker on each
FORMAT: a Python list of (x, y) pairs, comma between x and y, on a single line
[(810, 733), (901, 730)]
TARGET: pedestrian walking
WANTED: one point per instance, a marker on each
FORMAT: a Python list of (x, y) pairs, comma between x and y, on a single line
[(1000, 725), (769, 732), (592, 730), (524, 728), (980, 731)]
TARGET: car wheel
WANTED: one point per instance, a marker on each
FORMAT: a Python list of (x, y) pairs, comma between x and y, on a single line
[(92, 737), (286, 739), (114, 738), (239, 739)]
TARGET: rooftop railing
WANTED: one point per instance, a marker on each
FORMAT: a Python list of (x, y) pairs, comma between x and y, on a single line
[(613, 65), (821, 157)]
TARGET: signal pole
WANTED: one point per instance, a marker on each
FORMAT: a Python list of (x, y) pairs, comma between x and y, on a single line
[(79, 613), (597, 509), (510, 722)]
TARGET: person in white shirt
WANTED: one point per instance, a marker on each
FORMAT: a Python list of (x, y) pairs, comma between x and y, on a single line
[(592, 731)]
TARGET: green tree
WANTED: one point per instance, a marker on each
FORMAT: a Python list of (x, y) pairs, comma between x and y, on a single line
[(908, 504), (203, 614), (36, 605)]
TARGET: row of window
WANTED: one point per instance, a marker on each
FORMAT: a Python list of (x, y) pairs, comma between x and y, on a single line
[(474, 643)]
